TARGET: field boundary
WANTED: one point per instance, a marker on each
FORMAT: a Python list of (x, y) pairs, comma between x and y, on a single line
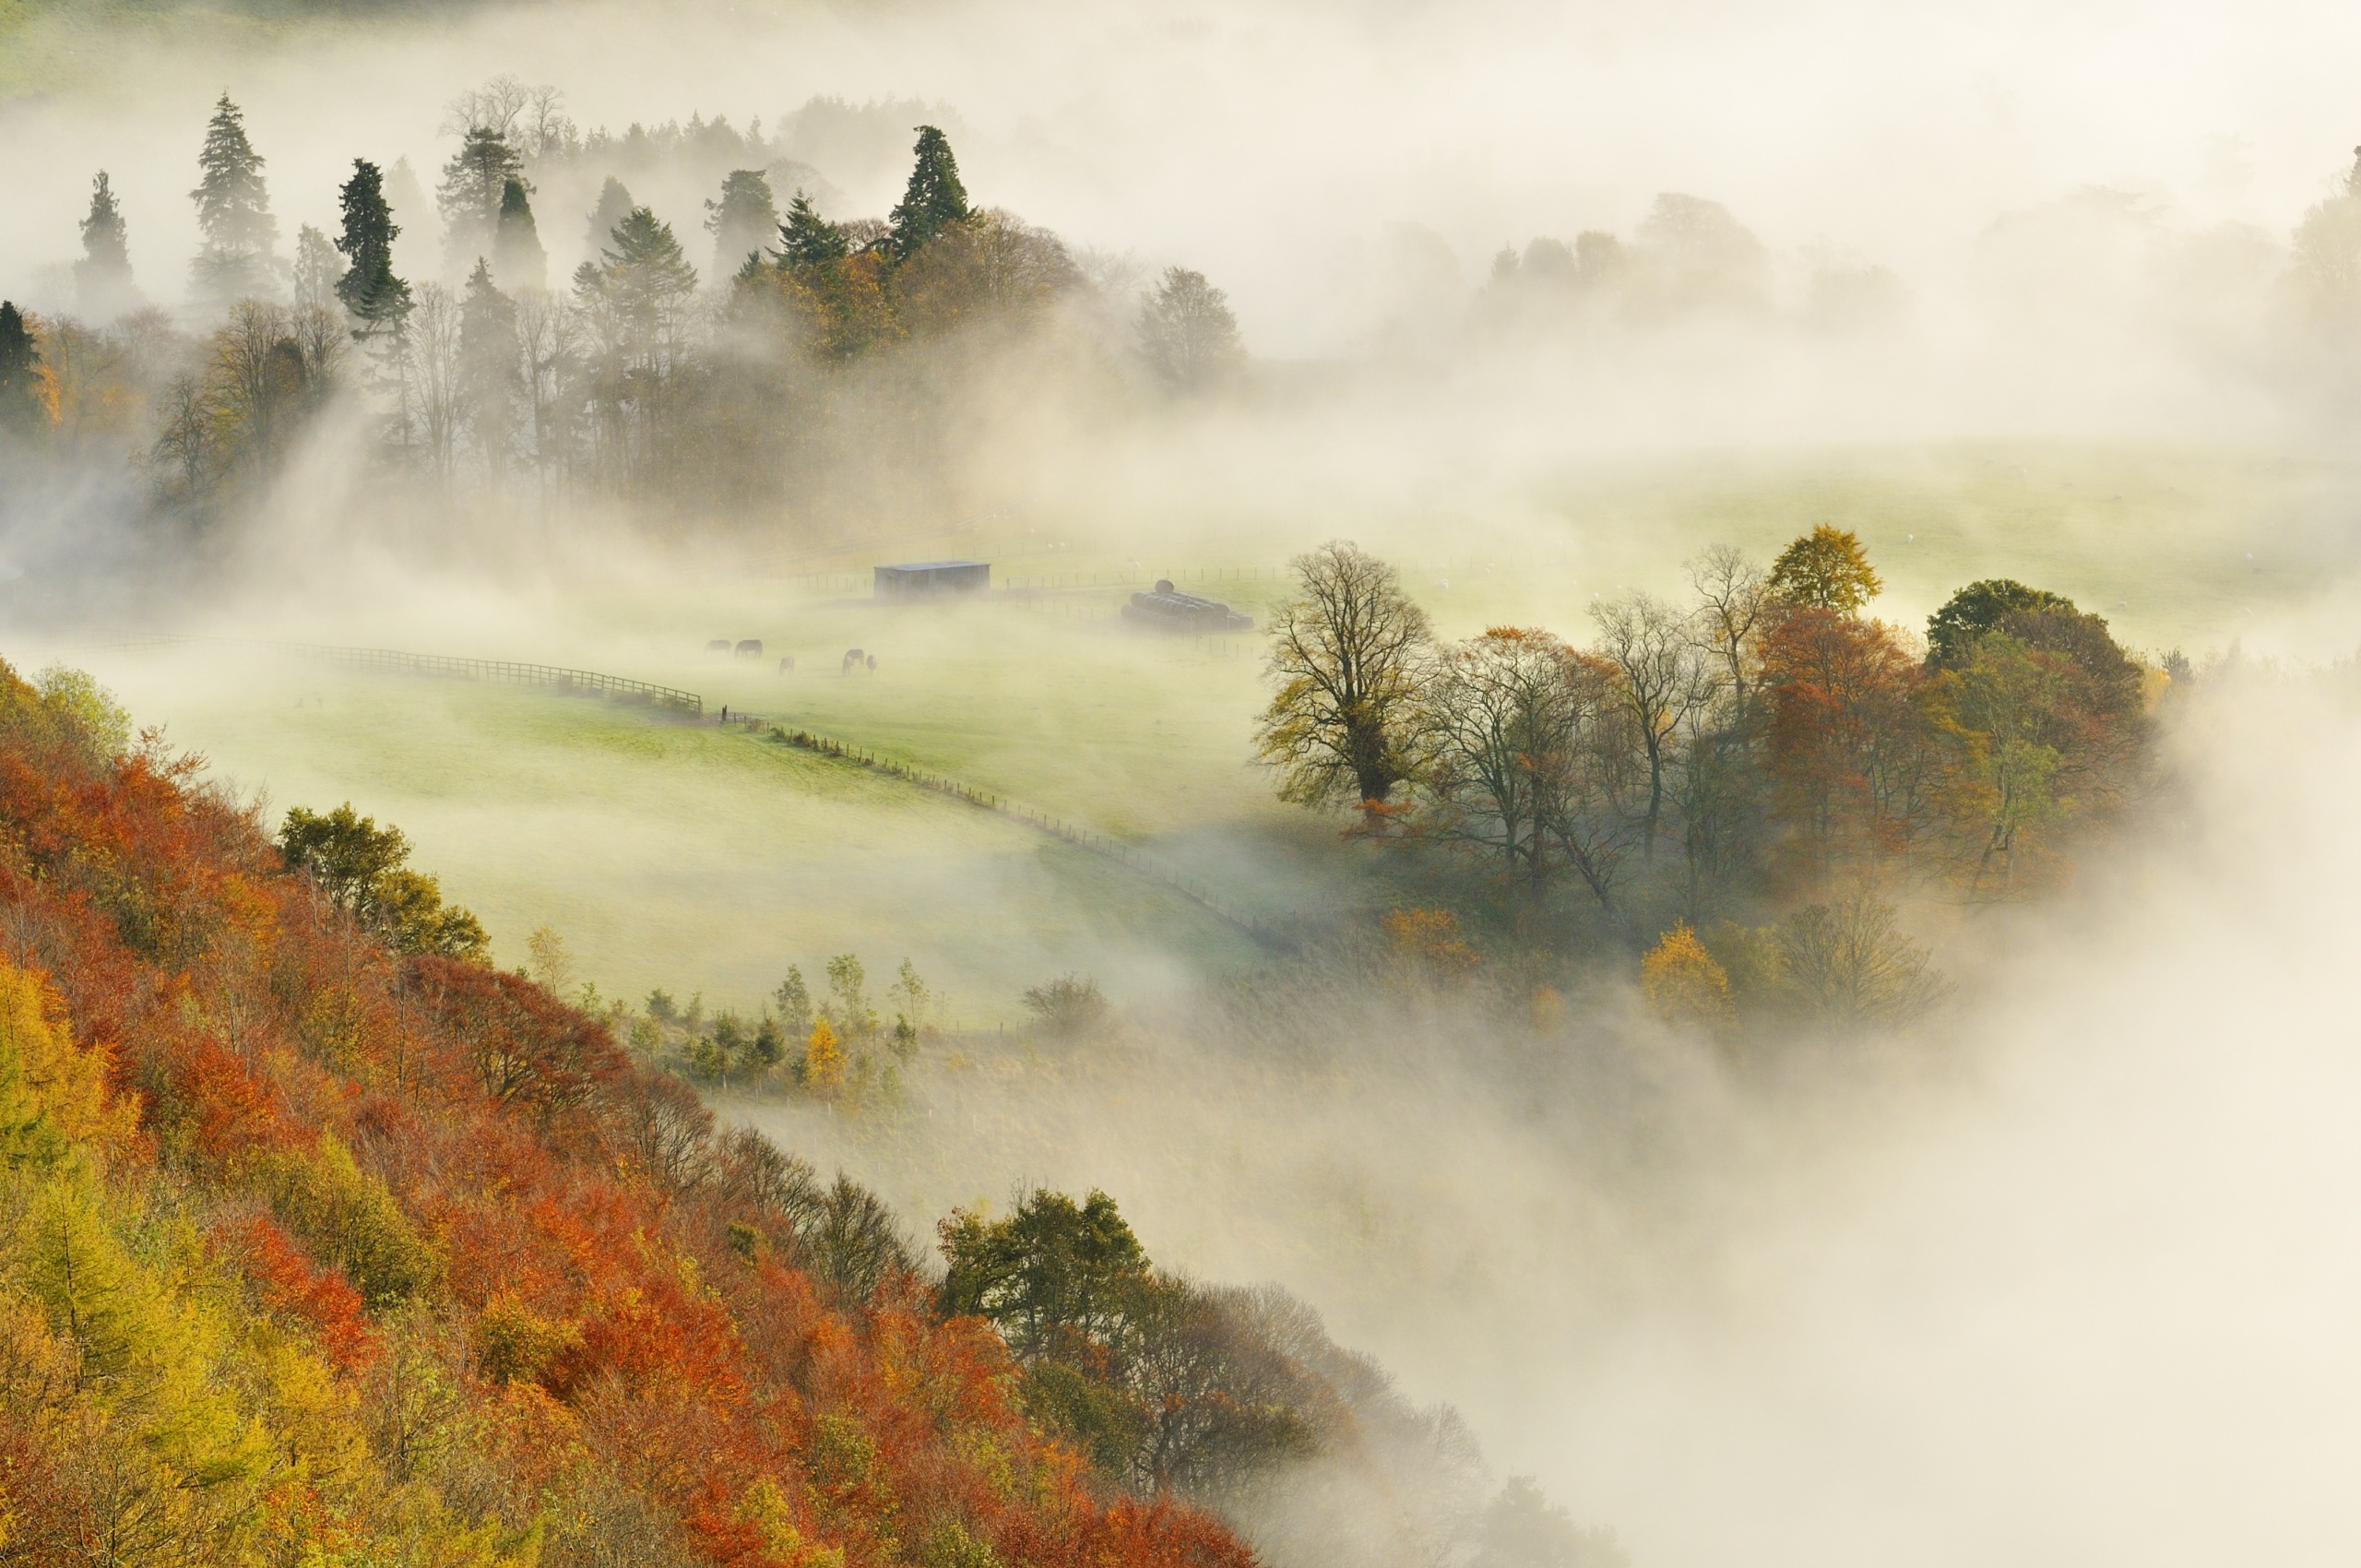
[(1262, 931), (498, 672)]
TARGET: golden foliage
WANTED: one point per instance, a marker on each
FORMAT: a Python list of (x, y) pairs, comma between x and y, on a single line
[(1684, 984)]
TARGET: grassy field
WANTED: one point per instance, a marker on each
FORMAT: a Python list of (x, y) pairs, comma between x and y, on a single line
[(708, 860), (688, 856)]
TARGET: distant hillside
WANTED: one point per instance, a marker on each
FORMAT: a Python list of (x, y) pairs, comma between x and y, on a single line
[(314, 1252)]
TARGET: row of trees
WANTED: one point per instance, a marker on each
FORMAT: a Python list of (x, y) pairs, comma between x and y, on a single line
[(819, 356), (1766, 737)]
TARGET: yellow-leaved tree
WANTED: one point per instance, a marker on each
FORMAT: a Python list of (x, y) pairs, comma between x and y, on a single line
[(824, 1060), (1684, 984)]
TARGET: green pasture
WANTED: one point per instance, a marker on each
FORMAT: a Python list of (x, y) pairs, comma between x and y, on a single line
[(693, 856), (705, 858)]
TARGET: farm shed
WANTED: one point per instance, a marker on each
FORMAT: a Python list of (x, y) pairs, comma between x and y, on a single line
[(931, 579), (1167, 607)]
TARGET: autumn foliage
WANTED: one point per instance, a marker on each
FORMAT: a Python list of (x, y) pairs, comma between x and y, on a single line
[(312, 1252)]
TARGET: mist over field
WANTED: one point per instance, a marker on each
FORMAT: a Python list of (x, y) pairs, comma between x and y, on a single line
[(1636, 859)]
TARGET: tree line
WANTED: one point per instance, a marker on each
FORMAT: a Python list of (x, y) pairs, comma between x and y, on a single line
[(1762, 743), (815, 355)]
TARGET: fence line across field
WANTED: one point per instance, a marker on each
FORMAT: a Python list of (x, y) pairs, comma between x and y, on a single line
[(450, 667), (1057, 828)]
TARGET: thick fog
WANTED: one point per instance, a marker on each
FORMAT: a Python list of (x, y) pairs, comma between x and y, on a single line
[(2068, 1277), (2068, 1282)]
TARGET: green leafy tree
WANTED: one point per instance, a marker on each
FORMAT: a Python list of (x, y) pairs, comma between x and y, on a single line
[(793, 999), (742, 222), (379, 301), (1522, 1528), (1826, 569), (1979, 608), (516, 254), (103, 282), (848, 1007), (362, 868), (24, 406), (806, 239), (1052, 1272), (232, 212), (933, 200), (1187, 333)]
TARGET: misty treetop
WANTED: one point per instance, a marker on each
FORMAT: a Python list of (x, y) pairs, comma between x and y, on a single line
[(1762, 744), (771, 377)]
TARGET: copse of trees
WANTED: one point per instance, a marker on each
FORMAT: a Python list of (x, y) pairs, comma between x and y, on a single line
[(775, 378), (1764, 742)]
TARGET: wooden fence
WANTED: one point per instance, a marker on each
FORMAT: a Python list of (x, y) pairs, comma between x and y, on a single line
[(498, 672), (1057, 828)]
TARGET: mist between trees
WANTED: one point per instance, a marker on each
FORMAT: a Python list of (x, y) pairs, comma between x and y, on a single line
[(1763, 749), (797, 362)]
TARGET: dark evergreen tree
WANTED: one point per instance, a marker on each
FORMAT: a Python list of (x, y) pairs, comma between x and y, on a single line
[(380, 303), (806, 239), (102, 277), (741, 221), (517, 257), (232, 212), (614, 206), (23, 408), (475, 185), (646, 277), (934, 199)]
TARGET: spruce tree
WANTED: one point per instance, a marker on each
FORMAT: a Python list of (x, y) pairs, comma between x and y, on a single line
[(475, 183), (516, 254), (232, 212), (934, 199), (318, 267), (22, 407), (646, 277), (614, 206), (102, 277), (490, 381), (806, 239), (742, 220), (380, 303)]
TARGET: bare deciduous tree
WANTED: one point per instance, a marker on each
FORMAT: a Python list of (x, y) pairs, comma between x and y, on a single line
[(1663, 683)]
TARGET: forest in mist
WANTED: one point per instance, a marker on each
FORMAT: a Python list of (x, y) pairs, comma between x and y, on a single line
[(1619, 851)]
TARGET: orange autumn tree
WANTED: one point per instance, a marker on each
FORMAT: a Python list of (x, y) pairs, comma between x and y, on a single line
[(327, 1252)]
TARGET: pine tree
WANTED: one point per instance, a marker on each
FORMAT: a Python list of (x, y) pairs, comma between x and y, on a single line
[(379, 301), (516, 254), (102, 277), (23, 404), (646, 274), (742, 220), (614, 206), (474, 190), (317, 268), (806, 239), (934, 199), (232, 212), (490, 383)]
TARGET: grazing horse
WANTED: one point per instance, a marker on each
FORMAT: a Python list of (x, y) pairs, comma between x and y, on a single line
[(852, 660), (787, 664)]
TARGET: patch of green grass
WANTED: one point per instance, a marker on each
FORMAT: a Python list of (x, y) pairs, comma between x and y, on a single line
[(672, 854)]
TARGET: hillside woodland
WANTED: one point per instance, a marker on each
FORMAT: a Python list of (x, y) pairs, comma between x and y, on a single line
[(322, 1240)]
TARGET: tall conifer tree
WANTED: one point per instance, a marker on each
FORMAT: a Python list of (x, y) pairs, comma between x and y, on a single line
[(516, 254), (22, 407), (102, 277), (741, 221), (232, 213), (475, 184), (380, 303), (934, 199), (806, 239)]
